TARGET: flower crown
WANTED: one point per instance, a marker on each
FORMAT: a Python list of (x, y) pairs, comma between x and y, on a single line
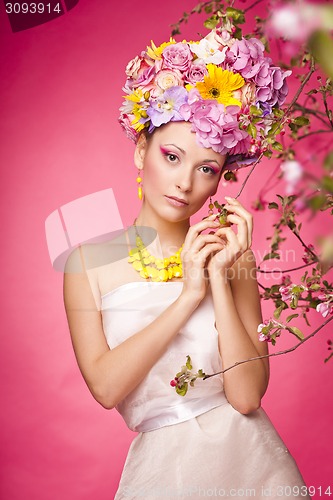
[(225, 87)]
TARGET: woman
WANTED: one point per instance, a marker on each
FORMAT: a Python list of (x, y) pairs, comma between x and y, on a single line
[(191, 290)]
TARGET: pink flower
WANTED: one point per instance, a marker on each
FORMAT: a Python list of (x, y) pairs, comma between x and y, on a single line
[(135, 66), (324, 308), (285, 292), (218, 38), (246, 56), (292, 174), (196, 73), (126, 123), (145, 79), (167, 78), (177, 56), (216, 127), (273, 89)]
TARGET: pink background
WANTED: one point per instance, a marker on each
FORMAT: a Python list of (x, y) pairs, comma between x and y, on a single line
[(60, 141)]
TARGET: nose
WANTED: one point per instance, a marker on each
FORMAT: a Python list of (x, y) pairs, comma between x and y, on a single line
[(184, 181)]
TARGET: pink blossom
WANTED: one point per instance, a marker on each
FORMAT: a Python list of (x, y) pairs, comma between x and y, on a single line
[(177, 56), (295, 23), (285, 292), (218, 37), (324, 308), (292, 174)]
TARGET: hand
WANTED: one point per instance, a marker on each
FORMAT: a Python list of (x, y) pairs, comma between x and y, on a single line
[(234, 245), (196, 251)]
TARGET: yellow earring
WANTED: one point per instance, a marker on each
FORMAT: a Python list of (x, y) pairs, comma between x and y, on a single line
[(139, 180)]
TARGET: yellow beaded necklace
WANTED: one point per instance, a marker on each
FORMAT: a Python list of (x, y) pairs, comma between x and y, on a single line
[(152, 268)]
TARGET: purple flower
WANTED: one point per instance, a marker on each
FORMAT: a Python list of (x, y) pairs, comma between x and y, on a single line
[(246, 56), (196, 73), (166, 107), (177, 56), (216, 127)]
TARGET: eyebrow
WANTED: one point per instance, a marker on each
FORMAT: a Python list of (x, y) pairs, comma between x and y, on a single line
[(182, 151)]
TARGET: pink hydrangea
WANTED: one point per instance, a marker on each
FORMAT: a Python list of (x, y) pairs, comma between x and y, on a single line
[(216, 127), (246, 56), (177, 56), (275, 90)]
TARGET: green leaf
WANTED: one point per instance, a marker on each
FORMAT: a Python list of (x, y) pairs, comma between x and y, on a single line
[(317, 202), (255, 111), (188, 363), (327, 183), (236, 15), (275, 129), (272, 205), (271, 255), (328, 162), (301, 121), (292, 316), (211, 23), (321, 46), (182, 390), (278, 311), (268, 153), (277, 146), (252, 130), (296, 331)]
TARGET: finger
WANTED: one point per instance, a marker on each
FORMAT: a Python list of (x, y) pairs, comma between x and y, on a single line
[(209, 250), (232, 240), (196, 229), (242, 212), (199, 243), (242, 229)]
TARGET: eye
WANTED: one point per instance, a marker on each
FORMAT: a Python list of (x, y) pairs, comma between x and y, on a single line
[(208, 170), (171, 157)]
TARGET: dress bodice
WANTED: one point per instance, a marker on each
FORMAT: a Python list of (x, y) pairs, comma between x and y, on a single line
[(154, 403)]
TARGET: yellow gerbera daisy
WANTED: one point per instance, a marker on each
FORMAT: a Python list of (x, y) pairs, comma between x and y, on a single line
[(156, 52), (220, 84)]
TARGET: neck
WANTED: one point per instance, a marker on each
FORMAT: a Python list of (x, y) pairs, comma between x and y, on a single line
[(171, 235)]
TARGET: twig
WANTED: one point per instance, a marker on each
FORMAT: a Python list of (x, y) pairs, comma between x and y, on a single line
[(300, 90), (248, 176), (314, 132), (304, 245), (274, 353), (253, 5), (285, 270)]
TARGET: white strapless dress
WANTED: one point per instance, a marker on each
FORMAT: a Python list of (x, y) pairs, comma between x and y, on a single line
[(198, 445)]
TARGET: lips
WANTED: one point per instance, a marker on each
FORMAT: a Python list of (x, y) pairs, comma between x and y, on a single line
[(176, 201)]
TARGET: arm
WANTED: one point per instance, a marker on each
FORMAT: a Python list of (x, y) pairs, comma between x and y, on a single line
[(112, 374), (238, 314)]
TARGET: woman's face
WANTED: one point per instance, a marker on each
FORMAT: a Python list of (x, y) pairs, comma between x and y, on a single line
[(178, 174)]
